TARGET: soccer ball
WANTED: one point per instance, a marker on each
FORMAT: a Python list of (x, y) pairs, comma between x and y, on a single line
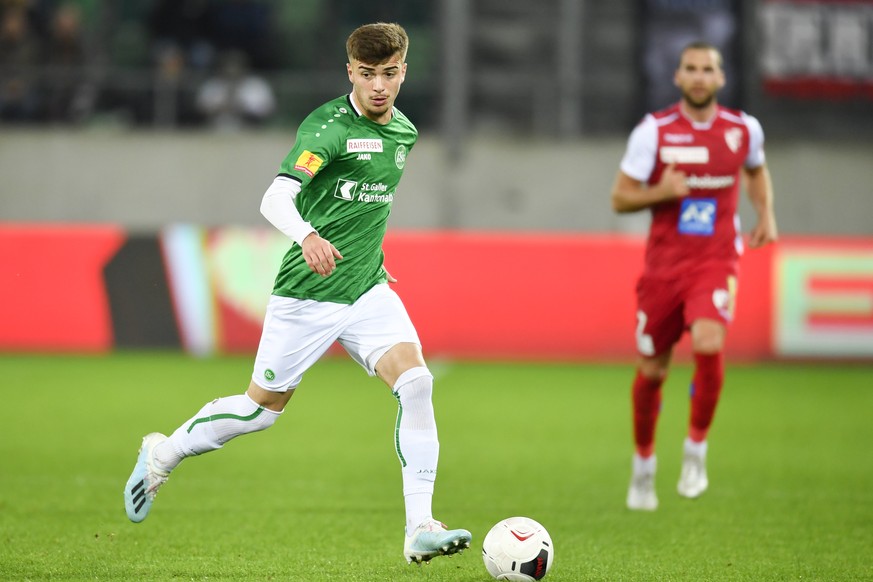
[(519, 549)]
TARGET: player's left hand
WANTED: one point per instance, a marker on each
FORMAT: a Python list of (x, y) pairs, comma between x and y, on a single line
[(391, 279), (320, 255), (764, 233)]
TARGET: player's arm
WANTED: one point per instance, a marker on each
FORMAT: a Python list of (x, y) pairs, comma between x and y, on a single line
[(630, 195), (278, 207), (760, 190), (631, 191), (758, 186)]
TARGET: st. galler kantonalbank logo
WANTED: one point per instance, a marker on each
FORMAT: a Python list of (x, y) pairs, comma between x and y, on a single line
[(345, 189)]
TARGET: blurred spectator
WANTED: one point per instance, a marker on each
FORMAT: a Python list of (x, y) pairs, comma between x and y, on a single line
[(184, 24), (162, 94), (65, 45), (244, 25), (69, 96), (173, 97), (37, 12), (236, 97), (19, 57)]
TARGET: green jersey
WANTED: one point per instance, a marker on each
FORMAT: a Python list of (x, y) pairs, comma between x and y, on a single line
[(349, 168)]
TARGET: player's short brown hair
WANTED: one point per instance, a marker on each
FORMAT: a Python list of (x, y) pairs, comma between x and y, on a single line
[(701, 45), (374, 44)]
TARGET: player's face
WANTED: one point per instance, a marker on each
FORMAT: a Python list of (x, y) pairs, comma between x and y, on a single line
[(376, 86), (699, 77)]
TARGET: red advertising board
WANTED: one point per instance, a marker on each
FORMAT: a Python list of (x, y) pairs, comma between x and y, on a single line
[(501, 295), (53, 295), (478, 294)]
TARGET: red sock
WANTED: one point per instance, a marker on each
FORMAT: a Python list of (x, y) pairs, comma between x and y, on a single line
[(646, 405), (705, 391)]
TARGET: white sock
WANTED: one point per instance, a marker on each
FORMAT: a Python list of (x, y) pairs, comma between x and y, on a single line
[(693, 448), (646, 466), (416, 442), (218, 422)]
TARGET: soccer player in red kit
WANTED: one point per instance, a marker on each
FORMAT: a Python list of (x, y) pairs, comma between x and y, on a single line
[(685, 164)]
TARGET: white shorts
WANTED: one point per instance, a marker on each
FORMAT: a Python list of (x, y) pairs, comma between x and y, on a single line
[(297, 332)]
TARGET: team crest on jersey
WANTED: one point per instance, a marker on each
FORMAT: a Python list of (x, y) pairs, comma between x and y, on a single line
[(697, 216), (400, 156), (734, 138), (308, 163), (363, 145)]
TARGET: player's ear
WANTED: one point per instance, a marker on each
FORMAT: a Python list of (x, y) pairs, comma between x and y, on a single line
[(349, 71)]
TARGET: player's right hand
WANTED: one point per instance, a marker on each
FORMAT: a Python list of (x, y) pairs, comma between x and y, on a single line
[(673, 182), (320, 255)]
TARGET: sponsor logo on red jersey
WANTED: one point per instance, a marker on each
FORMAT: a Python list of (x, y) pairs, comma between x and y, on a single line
[(684, 155), (678, 138)]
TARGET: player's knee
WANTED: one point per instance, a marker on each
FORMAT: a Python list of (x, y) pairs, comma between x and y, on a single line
[(414, 384), (708, 344), (269, 399), (707, 336), (653, 373), (399, 361), (654, 369)]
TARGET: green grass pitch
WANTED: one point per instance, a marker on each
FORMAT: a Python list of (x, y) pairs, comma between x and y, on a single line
[(318, 496)]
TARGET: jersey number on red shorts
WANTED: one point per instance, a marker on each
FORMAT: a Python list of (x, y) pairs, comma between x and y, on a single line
[(645, 345)]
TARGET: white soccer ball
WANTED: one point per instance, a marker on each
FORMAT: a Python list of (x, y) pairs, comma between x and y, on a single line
[(518, 549)]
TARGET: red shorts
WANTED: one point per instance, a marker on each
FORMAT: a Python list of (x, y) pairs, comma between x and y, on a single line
[(668, 307)]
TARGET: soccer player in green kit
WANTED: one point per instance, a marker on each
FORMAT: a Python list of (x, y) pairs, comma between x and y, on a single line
[(332, 198)]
